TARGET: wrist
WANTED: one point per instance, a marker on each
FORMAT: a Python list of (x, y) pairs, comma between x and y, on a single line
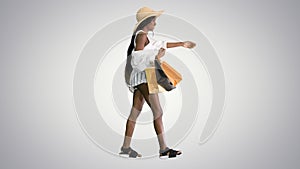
[(182, 44)]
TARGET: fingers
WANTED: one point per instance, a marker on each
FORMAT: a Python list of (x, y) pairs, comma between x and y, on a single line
[(162, 50), (189, 44), (161, 53), (192, 44)]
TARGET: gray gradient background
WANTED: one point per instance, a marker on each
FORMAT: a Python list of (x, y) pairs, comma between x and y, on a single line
[(257, 42)]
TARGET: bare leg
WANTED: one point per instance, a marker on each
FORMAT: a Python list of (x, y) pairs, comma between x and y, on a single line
[(138, 102), (153, 102)]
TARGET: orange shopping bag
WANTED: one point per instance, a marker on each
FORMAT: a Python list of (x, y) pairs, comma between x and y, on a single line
[(173, 75)]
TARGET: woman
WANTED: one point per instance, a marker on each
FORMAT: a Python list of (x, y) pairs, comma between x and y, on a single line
[(141, 54)]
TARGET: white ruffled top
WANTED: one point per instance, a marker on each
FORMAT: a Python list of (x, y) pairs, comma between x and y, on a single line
[(143, 59)]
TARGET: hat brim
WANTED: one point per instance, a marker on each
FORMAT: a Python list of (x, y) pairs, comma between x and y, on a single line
[(156, 13)]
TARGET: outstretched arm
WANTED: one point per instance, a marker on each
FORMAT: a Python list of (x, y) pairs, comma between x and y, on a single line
[(186, 44), (174, 44)]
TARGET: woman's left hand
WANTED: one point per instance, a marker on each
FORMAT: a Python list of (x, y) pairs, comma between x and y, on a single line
[(189, 44), (161, 53)]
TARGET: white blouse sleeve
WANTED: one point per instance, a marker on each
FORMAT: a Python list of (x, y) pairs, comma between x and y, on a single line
[(143, 58), (160, 44)]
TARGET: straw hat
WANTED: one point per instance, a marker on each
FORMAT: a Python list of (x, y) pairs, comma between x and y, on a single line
[(144, 13)]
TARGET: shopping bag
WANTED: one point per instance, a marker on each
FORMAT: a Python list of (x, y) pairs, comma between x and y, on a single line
[(152, 80), (173, 75), (162, 77)]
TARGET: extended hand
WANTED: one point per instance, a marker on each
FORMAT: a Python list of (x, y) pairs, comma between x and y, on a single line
[(189, 44)]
